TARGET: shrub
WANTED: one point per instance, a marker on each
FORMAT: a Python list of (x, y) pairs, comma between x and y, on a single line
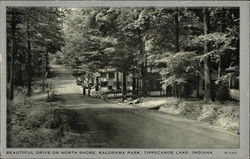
[(221, 93)]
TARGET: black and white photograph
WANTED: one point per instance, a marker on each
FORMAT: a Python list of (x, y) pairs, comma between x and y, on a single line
[(123, 78)]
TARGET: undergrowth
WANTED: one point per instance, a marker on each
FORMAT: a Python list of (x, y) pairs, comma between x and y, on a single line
[(36, 124)]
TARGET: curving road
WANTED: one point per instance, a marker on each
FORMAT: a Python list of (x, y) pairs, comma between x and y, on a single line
[(121, 126)]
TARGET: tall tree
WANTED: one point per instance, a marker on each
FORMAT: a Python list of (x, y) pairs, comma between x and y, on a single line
[(13, 52), (207, 73), (30, 40), (13, 20), (29, 58), (177, 47)]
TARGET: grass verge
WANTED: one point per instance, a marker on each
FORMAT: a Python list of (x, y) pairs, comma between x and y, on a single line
[(38, 124), (224, 116)]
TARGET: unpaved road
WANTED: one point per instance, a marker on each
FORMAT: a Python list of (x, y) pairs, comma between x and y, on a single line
[(121, 126)]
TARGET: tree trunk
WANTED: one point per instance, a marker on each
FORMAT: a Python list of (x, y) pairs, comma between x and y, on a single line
[(177, 47), (223, 28), (43, 82), (97, 85), (180, 86), (117, 81), (89, 90), (29, 72), (168, 91), (46, 62), (12, 62), (143, 66), (83, 88), (89, 87), (198, 85), (83, 91), (124, 85), (137, 84), (207, 78), (175, 90), (219, 67), (207, 73), (44, 72), (177, 32), (144, 78), (133, 83)]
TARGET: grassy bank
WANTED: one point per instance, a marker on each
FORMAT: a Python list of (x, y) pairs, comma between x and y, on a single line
[(224, 116), (38, 124)]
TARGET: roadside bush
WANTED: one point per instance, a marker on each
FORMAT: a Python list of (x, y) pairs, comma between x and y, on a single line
[(171, 101), (225, 116), (33, 124), (222, 93), (191, 109), (208, 114), (39, 116), (26, 124), (228, 118), (20, 137), (99, 94)]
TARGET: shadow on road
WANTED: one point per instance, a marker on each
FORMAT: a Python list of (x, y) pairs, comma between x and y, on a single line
[(128, 128)]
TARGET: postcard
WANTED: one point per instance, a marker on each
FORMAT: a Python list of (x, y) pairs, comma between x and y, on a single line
[(124, 79)]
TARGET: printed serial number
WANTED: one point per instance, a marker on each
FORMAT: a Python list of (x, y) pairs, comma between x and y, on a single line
[(231, 152)]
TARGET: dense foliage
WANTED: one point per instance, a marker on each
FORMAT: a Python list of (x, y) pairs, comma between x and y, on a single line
[(182, 45), (33, 34), (176, 42)]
